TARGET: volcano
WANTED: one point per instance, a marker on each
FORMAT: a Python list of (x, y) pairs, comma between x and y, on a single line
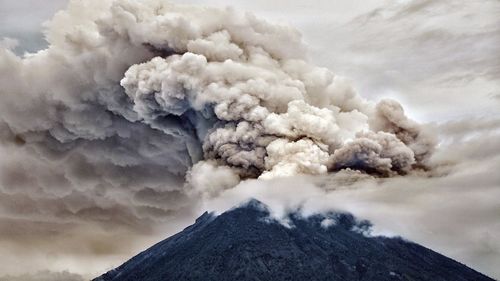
[(246, 243)]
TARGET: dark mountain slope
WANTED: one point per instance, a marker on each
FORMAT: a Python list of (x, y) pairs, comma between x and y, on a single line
[(244, 244)]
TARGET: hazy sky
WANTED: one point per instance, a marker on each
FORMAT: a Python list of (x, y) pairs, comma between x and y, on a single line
[(440, 59)]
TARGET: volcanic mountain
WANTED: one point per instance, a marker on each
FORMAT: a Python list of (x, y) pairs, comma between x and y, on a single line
[(245, 243)]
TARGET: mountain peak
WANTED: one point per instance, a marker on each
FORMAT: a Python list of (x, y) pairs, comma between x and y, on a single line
[(254, 204), (244, 244)]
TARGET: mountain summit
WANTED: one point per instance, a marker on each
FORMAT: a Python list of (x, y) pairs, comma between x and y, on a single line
[(244, 243)]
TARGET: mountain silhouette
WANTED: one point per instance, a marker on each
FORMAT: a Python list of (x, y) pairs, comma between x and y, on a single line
[(245, 243)]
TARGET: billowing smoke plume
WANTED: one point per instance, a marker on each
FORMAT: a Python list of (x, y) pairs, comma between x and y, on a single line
[(100, 132), (140, 91)]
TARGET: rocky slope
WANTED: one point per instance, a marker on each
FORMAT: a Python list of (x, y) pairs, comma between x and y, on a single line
[(246, 244)]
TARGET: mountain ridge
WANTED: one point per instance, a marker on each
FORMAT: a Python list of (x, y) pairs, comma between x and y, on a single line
[(244, 243)]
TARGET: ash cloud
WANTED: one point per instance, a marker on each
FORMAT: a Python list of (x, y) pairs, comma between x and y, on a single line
[(434, 209), (140, 111), (131, 95)]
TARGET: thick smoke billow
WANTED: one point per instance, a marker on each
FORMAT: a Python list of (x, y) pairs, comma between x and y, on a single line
[(136, 107), (133, 97), (153, 88), (231, 96), (148, 89)]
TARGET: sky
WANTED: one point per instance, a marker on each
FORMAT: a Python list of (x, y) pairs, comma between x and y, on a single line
[(439, 59)]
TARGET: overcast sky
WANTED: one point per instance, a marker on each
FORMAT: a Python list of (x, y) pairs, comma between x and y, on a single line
[(441, 59)]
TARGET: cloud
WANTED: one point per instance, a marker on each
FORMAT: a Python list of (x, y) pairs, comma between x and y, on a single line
[(140, 114), (437, 56), (27, 30), (454, 212), (129, 96)]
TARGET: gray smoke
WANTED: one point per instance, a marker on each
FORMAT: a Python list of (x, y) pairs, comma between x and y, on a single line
[(138, 108), (130, 95)]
